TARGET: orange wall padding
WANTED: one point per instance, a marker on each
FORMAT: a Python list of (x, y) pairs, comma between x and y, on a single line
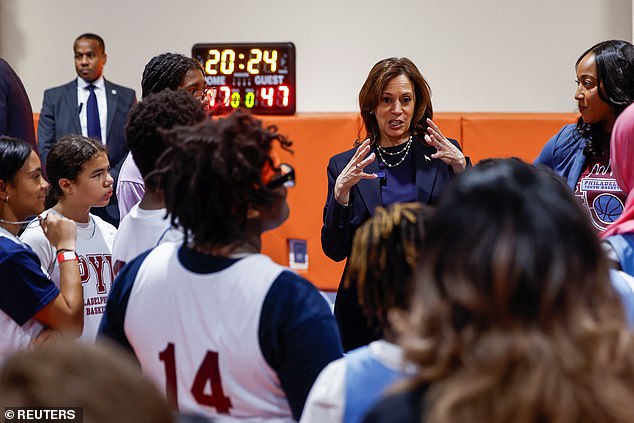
[(318, 136), (488, 135)]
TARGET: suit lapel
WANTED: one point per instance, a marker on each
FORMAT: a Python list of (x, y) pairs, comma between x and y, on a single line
[(426, 170), (112, 97), (71, 103), (370, 189)]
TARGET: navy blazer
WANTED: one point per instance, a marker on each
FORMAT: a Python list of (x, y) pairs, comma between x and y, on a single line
[(341, 222), (16, 115), (60, 116)]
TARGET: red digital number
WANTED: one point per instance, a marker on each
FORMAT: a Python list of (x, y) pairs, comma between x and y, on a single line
[(267, 95), (226, 92), (211, 96), (207, 371), (284, 91)]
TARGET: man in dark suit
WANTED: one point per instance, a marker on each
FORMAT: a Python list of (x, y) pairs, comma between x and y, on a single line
[(91, 106), (16, 115)]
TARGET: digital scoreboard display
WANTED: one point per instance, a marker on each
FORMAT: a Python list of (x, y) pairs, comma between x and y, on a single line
[(259, 77)]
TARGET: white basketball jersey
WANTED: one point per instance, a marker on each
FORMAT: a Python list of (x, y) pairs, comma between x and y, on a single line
[(141, 230), (196, 336)]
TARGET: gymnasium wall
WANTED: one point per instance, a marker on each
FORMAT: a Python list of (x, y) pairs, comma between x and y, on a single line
[(501, 72), (479, 56)]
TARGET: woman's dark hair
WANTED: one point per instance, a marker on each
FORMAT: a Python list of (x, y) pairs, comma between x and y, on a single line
[(66, 160), (378, 78), (212, 174), (515, 318), (13, 154), (615, 73), (162, 110), (166, 70), (383, 258)]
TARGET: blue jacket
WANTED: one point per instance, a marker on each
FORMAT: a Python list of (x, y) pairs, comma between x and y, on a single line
[(623, 246), (563, 153)]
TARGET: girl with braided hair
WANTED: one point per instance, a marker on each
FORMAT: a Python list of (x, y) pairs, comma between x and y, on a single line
[(384, 254), (167, 71), (215, 311)]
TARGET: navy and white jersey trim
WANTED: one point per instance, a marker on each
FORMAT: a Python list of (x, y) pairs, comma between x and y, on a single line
[(298, 336), (113, 319), (296, 332), (25, 289)]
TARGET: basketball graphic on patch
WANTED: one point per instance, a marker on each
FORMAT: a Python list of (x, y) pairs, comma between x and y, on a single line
[(608, 207)]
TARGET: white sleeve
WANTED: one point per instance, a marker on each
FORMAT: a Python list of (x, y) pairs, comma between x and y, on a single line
[(326, 400), (34, 237)]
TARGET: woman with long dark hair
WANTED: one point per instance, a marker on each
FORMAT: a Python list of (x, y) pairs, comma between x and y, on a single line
[(29, 300), (581, 153)]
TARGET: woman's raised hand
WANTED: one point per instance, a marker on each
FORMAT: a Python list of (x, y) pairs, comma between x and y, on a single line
[(445, 150), (353, 173)]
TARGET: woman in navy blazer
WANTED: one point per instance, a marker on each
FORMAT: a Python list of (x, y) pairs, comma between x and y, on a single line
[(405, 157)]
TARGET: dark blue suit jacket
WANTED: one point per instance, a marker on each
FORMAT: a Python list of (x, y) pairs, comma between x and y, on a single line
[(340, 224), (16, 115), (60, 116)]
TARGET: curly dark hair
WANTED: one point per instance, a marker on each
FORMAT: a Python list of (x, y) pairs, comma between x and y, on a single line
[(615, 72), (212, 174), (66, 160), (158, 111), (166, 70)]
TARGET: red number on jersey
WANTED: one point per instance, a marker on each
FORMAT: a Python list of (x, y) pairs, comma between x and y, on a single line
[(208, 371), (168, 356)]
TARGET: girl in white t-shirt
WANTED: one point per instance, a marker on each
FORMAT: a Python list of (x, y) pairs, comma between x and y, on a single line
[(78, 171)]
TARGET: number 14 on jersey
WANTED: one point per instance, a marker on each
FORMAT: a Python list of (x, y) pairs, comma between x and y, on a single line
[(208, 371)]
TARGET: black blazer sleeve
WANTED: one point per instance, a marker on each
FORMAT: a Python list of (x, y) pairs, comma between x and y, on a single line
[(116, 143), (46, 128)]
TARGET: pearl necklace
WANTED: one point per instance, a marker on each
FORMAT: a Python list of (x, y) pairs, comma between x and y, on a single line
[(404, 150)]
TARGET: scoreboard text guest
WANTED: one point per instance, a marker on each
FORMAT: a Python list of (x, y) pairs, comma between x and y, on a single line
[(259, 77)]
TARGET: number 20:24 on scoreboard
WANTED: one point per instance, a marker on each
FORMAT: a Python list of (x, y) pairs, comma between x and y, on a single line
[(259, 77)]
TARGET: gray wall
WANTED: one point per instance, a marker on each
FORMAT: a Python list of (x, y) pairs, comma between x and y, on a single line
[(478, 55)]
